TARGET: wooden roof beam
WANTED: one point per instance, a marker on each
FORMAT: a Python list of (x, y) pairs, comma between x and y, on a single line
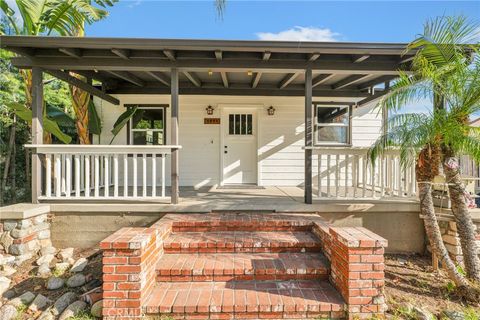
[(72, 52), (288, 79), (83, 85), (218, 55), (360, 58), (348, 81), (266, 55), (127, 76), (122, 53), (256, 80), (224, 79), (373, 98), (170, 54), (321, 78), (193, 78), (314, 56), (160, 77)]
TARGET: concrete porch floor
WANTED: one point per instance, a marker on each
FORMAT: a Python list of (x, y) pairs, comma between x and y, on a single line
[(208, 199)]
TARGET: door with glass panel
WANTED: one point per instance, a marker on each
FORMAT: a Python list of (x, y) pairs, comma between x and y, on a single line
[(239, 150)]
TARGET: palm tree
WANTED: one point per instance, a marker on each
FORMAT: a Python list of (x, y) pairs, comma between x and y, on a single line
[(60, 17), (447, 69)]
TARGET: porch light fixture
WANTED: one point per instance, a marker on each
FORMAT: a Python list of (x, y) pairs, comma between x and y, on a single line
[(209, 110), (271, 111), (210, 72), (249, 72)]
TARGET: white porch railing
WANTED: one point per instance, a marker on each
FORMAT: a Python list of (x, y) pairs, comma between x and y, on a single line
[(103, 172), (348, 173)]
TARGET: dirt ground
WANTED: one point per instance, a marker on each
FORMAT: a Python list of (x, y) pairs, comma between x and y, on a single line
[(411, 280)]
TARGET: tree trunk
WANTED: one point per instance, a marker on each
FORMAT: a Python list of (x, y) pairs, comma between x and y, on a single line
[(80, 100), (463, 219), (6, 169)]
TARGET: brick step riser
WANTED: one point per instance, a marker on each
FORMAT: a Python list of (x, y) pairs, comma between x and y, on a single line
[(334, 315), (266, 228), (242, 250), (264, 277)]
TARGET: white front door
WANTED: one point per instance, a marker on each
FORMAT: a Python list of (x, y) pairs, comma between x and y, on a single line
[(239, 150)]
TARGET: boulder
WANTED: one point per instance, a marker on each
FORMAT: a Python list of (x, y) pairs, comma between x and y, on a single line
[(73, 309), (39, 303), (24, 299), (79, 265), (96, 309), (453, 315), (76, 280), (22, 258), (54, 283), (4, 284), (7, 271), (9, 294), (48, 250), (45, 259), (422, 314), (63, 302), (44, 270), (62, 267), (6, 241), (8, 312), (65, 254), (46, 315)]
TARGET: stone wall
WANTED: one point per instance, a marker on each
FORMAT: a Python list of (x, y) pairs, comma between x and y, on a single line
[(448, 228), (24, 231)]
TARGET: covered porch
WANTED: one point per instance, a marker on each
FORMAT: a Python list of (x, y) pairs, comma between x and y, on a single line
[(335, 74)]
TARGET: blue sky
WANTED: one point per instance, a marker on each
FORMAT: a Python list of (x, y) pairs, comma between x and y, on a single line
[(369, 21)]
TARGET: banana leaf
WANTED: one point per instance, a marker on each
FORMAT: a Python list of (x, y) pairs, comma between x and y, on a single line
[(60, 117), (94, 122), (49, 125), (122, 121)]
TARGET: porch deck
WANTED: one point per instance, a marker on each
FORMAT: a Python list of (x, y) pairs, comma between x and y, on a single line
[(208, 199)]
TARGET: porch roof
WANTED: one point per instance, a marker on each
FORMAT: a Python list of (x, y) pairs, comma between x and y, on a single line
[(220, 67)]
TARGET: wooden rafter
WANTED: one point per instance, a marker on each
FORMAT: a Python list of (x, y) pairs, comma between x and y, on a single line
[(321, 78), (288, 79), (170, 54), (160, 77), (127, 76), (193, 78), (71, 52), (122, 53), (350, 80)]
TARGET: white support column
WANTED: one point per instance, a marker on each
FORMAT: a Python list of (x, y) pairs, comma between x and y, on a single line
[(37, 131), (308, 135)]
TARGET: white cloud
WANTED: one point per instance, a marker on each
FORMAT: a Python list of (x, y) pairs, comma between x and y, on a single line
[(301, 34)]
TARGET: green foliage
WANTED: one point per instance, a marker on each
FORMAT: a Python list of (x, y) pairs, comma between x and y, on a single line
[(82, 315), (94, 121), (122, 121)]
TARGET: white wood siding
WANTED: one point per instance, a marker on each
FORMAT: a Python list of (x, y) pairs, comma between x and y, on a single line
[(280, 137)]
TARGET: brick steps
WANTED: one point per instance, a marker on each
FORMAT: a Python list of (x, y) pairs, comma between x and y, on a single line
[(242, 266), (246, 300), (241, 241)]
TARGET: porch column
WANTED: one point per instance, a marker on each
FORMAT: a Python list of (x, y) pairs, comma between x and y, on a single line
[(308, 135), (174, 132), (37, 130)]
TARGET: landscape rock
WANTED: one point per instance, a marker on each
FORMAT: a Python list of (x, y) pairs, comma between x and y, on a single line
[(4, 284), (24, 299), (40, 219), (46, 315), (48, 250), (76, 280), (44, 270), (22, 258), (453, 315), (63, 302), (422, 314), (8, 312), (24, 224), (6, 241), (9, 294), (65, 254), (7, 271), (97, 309), (73, 309), (39, 303), (54, 283), (9, 225), (45, 259), (62, 267), (6, 259), (79, 265)]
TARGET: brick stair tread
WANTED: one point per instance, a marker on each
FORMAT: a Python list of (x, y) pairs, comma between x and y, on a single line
[(186, 266), (302, 296), (235, 241)]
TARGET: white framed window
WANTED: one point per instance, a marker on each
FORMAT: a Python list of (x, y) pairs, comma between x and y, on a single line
[(332, 124), (240, 124), (147, 126)]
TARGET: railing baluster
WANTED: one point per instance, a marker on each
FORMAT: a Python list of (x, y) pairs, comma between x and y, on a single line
[(382, 176), (106, 180), (97, 176), (355, 175), (58, 175), (346, 175), (134, 179), (115, 175), (77, 175), (373, 171), (48, 175), (144, 174), (62, 174), (163, 174), (328, 175), (125, 175), (364, 175), (399, 177), (154, 175), (337, 174), (319, 158), (87, 176), (68, 175)]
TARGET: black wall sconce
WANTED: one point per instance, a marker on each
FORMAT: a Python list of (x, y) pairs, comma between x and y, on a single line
[(209, 110), (271, 111)]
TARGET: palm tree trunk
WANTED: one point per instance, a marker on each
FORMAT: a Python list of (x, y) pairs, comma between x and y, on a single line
[(80, 101), (463, 219)]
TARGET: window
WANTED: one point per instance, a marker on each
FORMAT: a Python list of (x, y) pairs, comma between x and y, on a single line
[(332, 124), (147, 126), (240, 124)]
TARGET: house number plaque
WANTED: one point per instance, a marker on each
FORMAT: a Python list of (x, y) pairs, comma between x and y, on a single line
[(211, 121)]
